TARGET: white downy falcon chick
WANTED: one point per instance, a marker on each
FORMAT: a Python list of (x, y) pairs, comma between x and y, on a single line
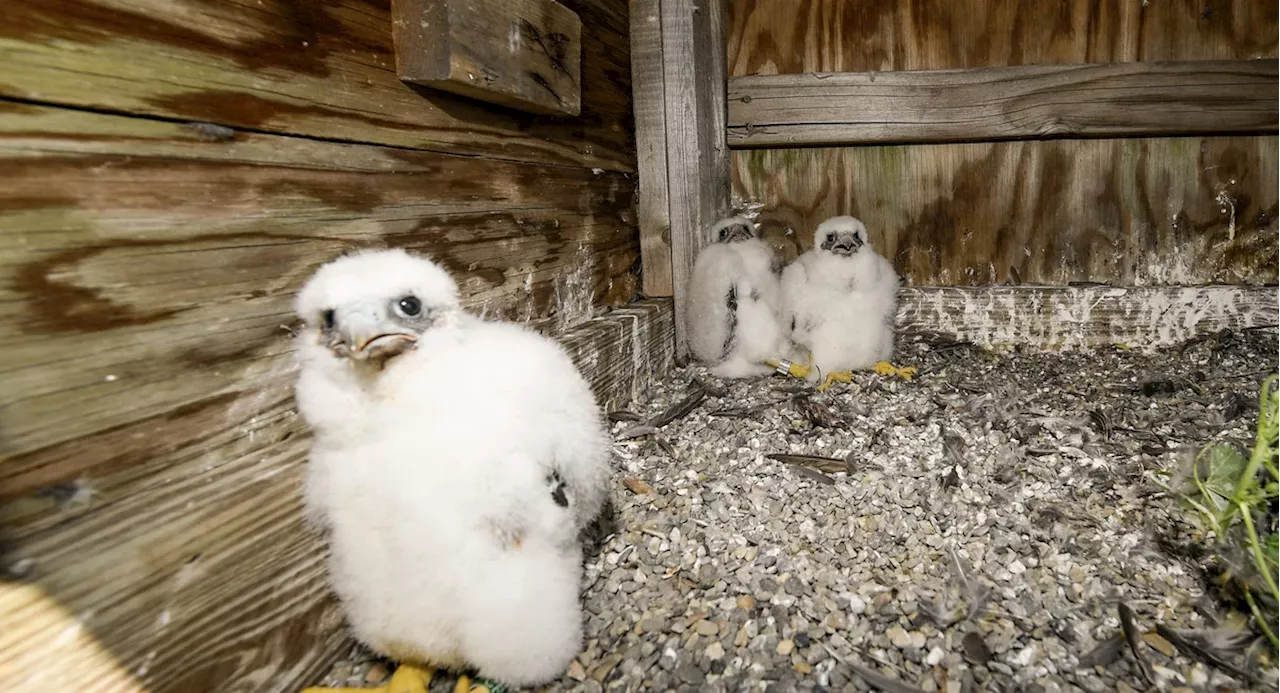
[(840, 300), (734, 312), (455, 463)]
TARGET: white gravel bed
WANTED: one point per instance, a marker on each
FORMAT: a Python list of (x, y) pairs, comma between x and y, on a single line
[(975, 529)]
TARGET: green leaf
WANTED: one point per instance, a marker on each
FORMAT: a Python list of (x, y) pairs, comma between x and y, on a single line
[(1220, 467), (1271, 549)]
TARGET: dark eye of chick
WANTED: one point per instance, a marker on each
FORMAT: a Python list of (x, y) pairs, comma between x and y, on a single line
[(410, 306), (328, 317)]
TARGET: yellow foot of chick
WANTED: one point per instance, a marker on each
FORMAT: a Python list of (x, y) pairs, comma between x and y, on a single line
[(464, 686), (785, 367), (407, 679), (888, 369), (836, 377)]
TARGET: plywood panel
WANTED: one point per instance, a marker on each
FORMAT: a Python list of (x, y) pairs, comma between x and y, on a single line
[(171, 258), (786, 36), (320, 69), (1132, 211), (136, 578)]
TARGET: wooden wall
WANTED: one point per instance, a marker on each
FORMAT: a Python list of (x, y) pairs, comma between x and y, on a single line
[(170, 172), (1121, 211)]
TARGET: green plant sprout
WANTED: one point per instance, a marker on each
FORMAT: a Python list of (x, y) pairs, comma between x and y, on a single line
[(1235, 490)]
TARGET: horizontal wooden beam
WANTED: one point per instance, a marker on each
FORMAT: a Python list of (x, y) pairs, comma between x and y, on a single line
[(1058, 317), (1004, 103)]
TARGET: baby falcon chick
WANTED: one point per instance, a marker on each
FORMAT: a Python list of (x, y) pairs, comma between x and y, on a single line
[(734, 303), (839, 301), (455, 462)]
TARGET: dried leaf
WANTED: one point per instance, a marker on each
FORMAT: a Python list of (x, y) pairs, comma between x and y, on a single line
[(813, 474), (873, 678), (953, 447), (830, 465), (975, 648), (1133, 636), (680, 409), (637, 432), (624, 416), (1197, 651), (637, 485), (1104, 654), (818, 413)]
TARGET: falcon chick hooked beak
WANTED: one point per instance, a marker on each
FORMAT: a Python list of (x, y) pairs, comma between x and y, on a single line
[(843, 242), (373, 331)]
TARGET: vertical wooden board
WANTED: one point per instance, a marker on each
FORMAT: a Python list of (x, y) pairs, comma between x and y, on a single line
[(651, 146), (525, 54), (1125, 211), (785, 37), (696, 163)]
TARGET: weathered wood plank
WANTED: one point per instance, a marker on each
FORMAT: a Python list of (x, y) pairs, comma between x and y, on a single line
[(191, 569), (782, 37), (1001, 103), (697, 169), (1069, 317), (652, 206), (525, 54), (323, 70), (1122, 212), (170, 258)]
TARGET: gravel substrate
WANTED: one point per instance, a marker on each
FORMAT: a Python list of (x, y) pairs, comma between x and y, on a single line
[(975, 529)]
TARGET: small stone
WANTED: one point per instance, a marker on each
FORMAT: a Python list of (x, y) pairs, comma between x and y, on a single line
[(802, 668), (576, 671), (786, 647), (899, 637), (802, 640), (690, 673), (376, 674), (742, 638), (715, 651), (1017, 568), (1159, 644), (637, 485), (706, 628), (746, 602), (917, 639), (935, 657)]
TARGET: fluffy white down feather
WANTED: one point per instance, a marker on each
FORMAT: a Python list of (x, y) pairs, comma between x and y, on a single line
[(842, 308), (432, 478), (745, 267)]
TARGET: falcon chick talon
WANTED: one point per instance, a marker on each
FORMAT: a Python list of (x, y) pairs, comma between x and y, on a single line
[(888, 370), (835, 377), (407, 679)]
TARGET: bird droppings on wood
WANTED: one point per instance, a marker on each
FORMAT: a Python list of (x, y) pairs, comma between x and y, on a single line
[(1008, 578)]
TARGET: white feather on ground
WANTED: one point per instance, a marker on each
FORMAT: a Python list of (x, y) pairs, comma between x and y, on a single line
[(841, 309), (734, 312), (453, 542)]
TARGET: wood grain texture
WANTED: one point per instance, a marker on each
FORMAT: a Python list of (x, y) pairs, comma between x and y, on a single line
[(139, 579), (697, 164), (526, 54), (648, 96), (769, 37), (1071, 317), (174, 258), (1001, 103), (1123, 212), (323, 70)]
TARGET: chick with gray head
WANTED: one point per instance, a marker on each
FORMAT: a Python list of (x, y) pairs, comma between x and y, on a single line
[(734, 306), (839, 303)]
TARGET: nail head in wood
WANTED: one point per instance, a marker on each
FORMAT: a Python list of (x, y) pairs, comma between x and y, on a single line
[(524, 54)]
